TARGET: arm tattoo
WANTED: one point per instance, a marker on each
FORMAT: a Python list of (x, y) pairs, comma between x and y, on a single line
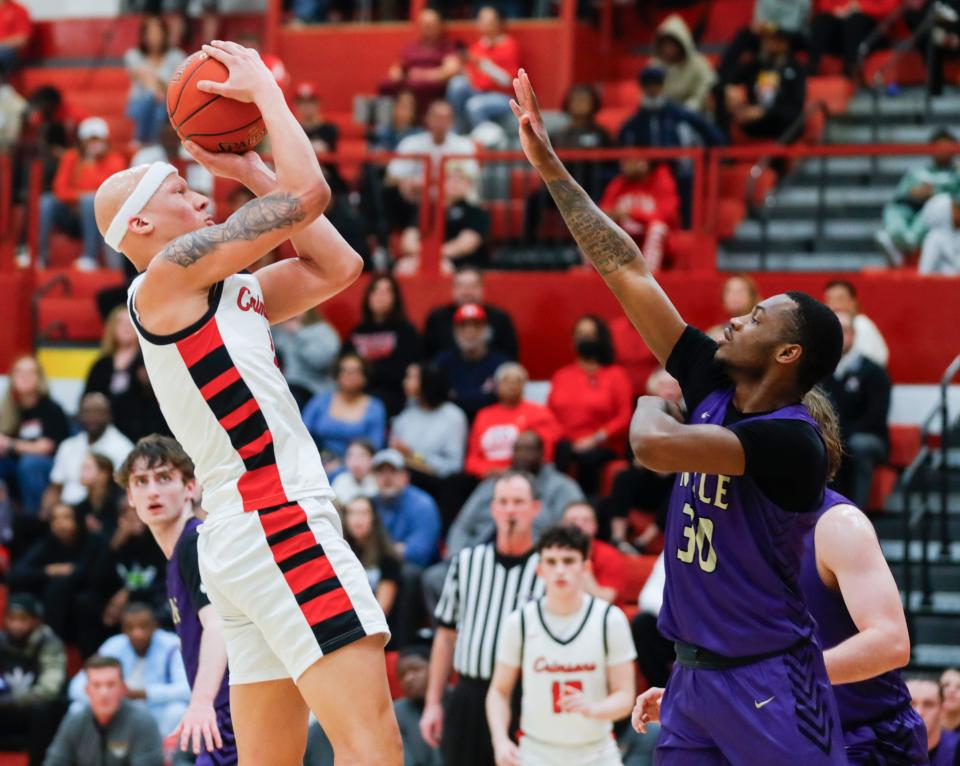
[(280, 210), (606, 245)]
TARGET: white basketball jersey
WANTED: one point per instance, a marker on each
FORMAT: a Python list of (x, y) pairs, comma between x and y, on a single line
[(227, 403), (549, 665)]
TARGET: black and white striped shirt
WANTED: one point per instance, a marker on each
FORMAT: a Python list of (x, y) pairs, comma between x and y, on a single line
[(481, 589)]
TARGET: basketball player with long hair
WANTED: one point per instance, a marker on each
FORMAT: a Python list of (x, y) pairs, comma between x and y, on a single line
[(860, 623), (751, 471), (300, 622)]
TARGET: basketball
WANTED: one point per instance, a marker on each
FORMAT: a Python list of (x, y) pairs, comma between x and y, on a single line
[(216, 123)]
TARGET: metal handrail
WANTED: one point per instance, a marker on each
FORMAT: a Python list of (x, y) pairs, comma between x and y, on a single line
[(948, 376), (865, 48), (915, 475)]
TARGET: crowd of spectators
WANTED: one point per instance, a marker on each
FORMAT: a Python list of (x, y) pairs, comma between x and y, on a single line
[(418, 431)]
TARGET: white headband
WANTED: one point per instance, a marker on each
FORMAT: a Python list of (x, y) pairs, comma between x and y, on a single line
[(138, 199)]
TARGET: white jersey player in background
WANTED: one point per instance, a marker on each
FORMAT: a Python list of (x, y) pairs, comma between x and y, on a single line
[(575, 654), (300, 622)]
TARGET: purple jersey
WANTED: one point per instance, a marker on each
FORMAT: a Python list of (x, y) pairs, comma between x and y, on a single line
[(733, 556), (866, 701), (187, 597), (945, 753)]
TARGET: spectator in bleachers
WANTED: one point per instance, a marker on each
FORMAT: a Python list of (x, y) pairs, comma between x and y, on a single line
[(132, 734), (150, 65), (100, 511), (431, 433), (792, 16), (119, 374), (470, 366), (33, 670), (607, 576), (927, 699), (466, 227), (364, 532), (475, 525), (483, 92), (385, 339), (860, 392), (307, 347), (659, 123), (839, 27), (497, 426), (581, 104), (32, 426), (133, 571), (403, 122), (425, 65), (97, 434), (643, 201), (591, 400), (13, 107), (766, 96), (357, 480), (15, 29), (152, 668), (334, 418), (323, 135), (69, 207), (467, 288), (655, 654), (940, 253), (405, 177), (738, 296), (409, 514), (412, 668), (950, 692), (841, 296), (913, 212), (58, 568), (689, 74)]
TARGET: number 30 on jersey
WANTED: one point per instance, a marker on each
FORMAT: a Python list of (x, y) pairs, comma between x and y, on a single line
[(699, 535)]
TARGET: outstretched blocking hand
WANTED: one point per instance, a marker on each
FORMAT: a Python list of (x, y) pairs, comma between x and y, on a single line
[(533, 135)]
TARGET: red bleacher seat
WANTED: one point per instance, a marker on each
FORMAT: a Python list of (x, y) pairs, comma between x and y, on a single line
[(729, 214), (904, 444), (14, 759), (884, 480), (638, 569), (725, 19), (74, 319), (835, 92), (611, 119), (623, 93), (523, 181), (610, 471), (506, 218)]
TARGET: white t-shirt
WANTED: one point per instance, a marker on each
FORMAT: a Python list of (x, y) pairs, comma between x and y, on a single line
[(70, 455), (869, 341), (554, 652), (423, 143), (348, 488)]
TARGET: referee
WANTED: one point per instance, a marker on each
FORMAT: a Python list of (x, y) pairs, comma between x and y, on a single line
[(485, 583)]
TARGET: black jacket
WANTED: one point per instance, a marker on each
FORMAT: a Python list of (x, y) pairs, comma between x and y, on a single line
[(438, 331), (861, 396)]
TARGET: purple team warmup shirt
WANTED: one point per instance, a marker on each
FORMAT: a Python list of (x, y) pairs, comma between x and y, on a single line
[(187, 597)]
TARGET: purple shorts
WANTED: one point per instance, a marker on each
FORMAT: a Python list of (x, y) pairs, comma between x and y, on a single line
[(778, 710), (226, 755), (900, 740)]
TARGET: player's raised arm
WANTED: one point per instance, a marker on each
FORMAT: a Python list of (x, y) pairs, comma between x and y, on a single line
[(207, 255), (611, 250)]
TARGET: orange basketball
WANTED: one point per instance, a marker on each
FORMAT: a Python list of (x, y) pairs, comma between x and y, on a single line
[(216, 123)]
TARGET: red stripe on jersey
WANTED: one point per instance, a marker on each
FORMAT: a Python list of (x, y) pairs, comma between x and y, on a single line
[(308, 574), (220, 382), (261, 487), (194, 347), (240, 414), (286, 549), (256, 446), (277, 521), (326, 606)]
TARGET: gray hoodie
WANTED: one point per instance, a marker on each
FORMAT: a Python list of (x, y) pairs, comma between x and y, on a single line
[(131, 738), (689, 81)]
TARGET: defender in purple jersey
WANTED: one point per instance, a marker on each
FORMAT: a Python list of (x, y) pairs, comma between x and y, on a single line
[(158, 477), (749, 686)]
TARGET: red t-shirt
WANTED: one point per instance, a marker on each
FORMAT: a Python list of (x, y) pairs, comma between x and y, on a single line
[(76, 176), (609, 568), (653, 198), (490, 447), (586, 403), (14, 20), (504, 52), (877, 9)]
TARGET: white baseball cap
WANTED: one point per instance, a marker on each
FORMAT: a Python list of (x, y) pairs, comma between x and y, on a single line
[(93, 127)]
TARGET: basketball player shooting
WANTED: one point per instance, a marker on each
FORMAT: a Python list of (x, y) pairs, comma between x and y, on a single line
[(749, 685), (300, 621)]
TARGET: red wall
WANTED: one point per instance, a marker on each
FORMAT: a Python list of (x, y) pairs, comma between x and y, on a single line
[(920, 317)]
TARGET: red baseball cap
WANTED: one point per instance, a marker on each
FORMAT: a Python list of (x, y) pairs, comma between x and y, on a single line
[(306, 90), (470, 312)]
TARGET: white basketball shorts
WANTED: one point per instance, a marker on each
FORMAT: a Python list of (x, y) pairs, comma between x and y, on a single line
[(534, 752), (287, 587)]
